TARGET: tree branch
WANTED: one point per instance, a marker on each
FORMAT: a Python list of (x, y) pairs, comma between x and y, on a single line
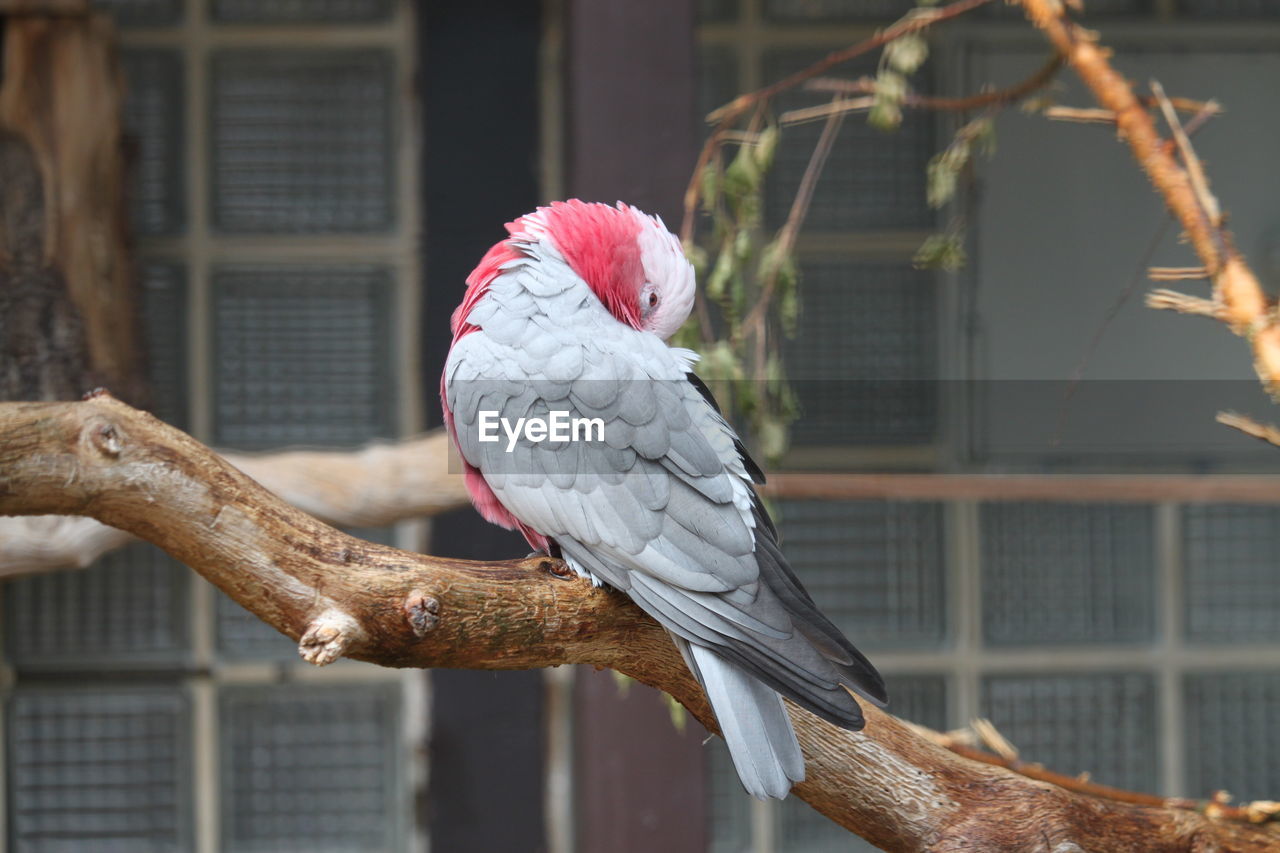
[(338, 595), (1244, 306), (378, 484)]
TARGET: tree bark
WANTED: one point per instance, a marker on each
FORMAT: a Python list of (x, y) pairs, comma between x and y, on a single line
[(61, 98), (337, 596), (43, 352)]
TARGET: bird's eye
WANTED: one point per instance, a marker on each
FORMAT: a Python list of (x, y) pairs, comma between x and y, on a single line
[(653, 299)]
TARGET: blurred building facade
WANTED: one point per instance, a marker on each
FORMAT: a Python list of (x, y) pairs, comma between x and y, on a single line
[(313, 179)]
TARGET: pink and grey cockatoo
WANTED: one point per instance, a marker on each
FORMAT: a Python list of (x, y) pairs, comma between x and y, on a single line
[(571, 313)]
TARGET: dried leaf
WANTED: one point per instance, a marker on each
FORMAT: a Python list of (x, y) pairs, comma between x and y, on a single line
[(906, 53), (773, 438), (941, 251), (766, 147), (697, 256)]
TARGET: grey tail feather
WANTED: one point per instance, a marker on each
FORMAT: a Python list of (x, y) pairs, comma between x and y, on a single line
[(753, 722)]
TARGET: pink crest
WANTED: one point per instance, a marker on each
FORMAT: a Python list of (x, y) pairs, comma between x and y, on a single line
[(600, 244)]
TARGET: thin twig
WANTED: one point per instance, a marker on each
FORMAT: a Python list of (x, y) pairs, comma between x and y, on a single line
[(1077, 375), (999, 97), (843, 106), (917, 20), (1171, 300), (1084, 115), (786, 239), (1177, 273), (1204, 110), (1195, 170), (1248, 426)]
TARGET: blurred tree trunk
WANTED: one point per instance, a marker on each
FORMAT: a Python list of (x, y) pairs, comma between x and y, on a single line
[(69, 300)]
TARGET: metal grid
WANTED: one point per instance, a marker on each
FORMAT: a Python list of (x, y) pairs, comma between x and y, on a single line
[(1230, 559), (99, 771), (300, 11), (807, 11), (1229, 8), (303, 355), (1101, 723), (164, 317), (125, 611), (1231, 725), (717, 78), (153, 109), (1067, 573), (872, 180), (301, 141), (729, 806), (875, 568), (280, 793), (142, 13), (716, 11), (864, 355)]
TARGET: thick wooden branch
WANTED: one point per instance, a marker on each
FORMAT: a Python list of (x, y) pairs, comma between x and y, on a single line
[(373, 486), (1243, 304), (337, 595)]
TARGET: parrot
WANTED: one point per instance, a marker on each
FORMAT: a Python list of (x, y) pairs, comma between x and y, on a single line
[(569, 317)]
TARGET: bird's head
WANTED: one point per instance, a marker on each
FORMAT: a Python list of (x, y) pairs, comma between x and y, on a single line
[(631, 262)]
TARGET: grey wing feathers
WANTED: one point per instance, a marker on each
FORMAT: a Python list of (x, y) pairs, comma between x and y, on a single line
[(662, 509)]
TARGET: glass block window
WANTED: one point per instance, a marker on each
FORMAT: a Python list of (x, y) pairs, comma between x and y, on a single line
[(243, 636), (863, 360), (1103, 724), (920, 699), (164, 315), (301, 141), (283, 791), (717, 80), (873, 180), (262, 330), (1067, 573), (153, 119), (142, 13), (303, 355), (875, 568), (102, 770), (1231, 720), (125, 611), (717, 11), (810, 11), (301, 11), (1231, 569)]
